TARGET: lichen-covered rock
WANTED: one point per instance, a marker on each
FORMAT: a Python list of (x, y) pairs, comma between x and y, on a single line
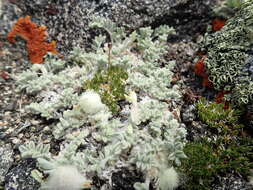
[(231, 181), (132, 13), (6, 160), (229, 59), (67, 21), (19, 177)]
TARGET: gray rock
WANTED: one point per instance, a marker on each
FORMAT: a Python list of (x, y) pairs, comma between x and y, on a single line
[(67, 21), (6, 160), (232, 182), (19, 177), (189, 114), (9, 13)]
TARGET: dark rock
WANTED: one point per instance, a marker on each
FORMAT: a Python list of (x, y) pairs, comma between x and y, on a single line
[(188, 114), (19, 177), (125, 179), (189, 19), (231, 182), (11, 107), (6, 160)]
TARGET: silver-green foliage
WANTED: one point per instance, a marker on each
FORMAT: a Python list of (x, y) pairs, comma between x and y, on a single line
[(152, 148), (30, 150), (145, 134)]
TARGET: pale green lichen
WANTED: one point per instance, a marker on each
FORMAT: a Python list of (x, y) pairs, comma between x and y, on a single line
[(228, 50), (228, 8)]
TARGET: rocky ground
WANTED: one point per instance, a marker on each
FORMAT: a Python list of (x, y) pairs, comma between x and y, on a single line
[(67, 24)]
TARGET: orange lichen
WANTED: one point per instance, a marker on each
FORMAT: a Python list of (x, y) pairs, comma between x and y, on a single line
[(207, 83), (220, 98), (199, 69), (4, 75), (217, 24), (34, 36)]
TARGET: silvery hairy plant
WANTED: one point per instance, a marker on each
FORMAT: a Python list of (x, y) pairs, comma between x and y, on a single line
[(143, 133)]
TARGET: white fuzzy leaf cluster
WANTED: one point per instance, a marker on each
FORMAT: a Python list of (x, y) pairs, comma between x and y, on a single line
[(89, 109), (54, 103), (116, 33), (31, 150), (151, 150), (67, 156), (144, 134), (146, 147), (154, 81), (152, 50), (65, 177)]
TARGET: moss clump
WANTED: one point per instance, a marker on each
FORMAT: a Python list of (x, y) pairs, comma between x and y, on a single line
[(206, 160), (110, 85), (229, 152), (234, 3), (200, 165), (215, 116)]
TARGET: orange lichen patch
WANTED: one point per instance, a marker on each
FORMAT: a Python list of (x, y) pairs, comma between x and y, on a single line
[(220, 98), (4, 75), (226, 105), (36, 51), (217, 24), (206, 82), (35, 37), (199, 69)]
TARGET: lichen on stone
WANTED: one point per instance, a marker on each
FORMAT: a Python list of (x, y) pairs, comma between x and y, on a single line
[(34, 36), (229, 51)]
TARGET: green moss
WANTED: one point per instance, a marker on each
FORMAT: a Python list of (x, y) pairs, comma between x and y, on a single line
[(200, 165), (227, 153), (110, 85), (214, 115), (234, 3), (206, 160)]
